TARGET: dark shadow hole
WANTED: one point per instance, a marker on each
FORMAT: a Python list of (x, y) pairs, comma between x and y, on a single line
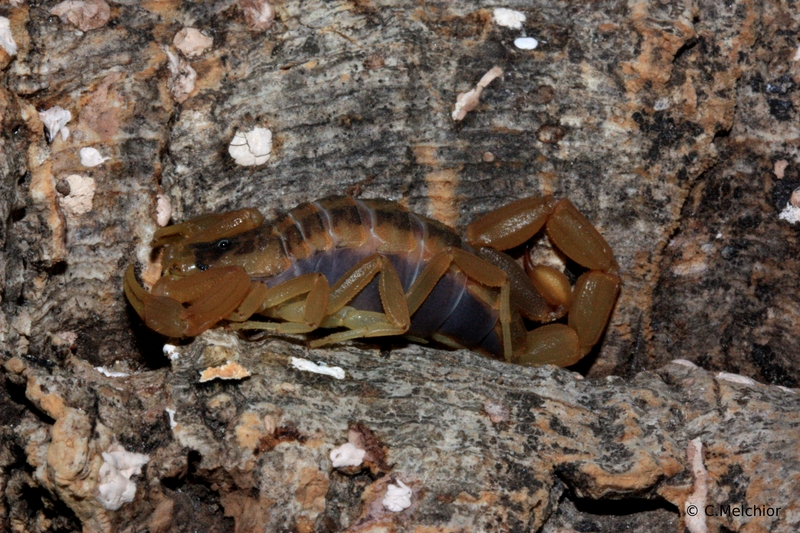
[(17, 395), (623, 507), (58, 268), (685, 49), (18, 214), (722, 134), (148, 343)]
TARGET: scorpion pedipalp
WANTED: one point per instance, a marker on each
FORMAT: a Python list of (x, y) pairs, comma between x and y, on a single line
[(212, 295)]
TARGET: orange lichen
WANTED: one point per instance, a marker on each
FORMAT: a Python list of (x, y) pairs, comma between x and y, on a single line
[(230, 370)]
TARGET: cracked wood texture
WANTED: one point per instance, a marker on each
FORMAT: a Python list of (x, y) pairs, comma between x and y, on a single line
[(671, 125)]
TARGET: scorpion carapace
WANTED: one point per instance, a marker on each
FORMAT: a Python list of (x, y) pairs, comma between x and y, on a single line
[(371, 268)]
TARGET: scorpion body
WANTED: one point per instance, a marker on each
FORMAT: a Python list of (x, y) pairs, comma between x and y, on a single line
[(333, 235), (374, 268)]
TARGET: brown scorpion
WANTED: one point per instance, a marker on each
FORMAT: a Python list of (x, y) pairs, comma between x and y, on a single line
[(371, 268)]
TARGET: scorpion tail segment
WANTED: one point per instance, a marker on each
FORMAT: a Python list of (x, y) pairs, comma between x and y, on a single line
[(553, 344), (574, 235), (526, 297), (209, 227), (511, 225), (594, 296), (553, 285), (134, 292)]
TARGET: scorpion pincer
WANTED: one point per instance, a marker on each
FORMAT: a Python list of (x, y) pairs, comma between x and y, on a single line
[(371, 268)]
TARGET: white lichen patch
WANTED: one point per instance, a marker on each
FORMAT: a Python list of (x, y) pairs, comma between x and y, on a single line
[(64, 338), (163, 210), (694, 507), (6, 38), (91, 157), (508, 17), (797, 54), (182, 78), (81, 193), (497, 411), (526, 43), (259, 14), (790, 214), (54, 119), (662, 104), (171, 351), (230, 370), (736, 378), (171, 415), (191, 42), (690, 268), (251, 148), (347, 455), (115, 487), (398, 497), (307, 366), (83, 14), (466, 102), (779, 168), (110, 373), (684, 362)]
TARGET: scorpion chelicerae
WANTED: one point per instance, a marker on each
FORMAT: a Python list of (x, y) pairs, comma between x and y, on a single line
[(371, 268)]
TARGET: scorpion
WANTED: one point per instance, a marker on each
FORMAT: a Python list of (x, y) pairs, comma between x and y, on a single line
[(371, 268)]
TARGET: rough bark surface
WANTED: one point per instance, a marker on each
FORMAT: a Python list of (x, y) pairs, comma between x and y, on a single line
[(671, 125)]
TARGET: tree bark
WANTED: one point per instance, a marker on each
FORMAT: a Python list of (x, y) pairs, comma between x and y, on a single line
[(671, 126)]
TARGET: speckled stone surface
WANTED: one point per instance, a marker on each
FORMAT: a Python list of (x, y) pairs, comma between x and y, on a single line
[(671, 125)]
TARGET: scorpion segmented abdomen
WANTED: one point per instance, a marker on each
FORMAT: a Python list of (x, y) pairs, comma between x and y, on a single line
[(303, 231), (391, 226), (343, 221)]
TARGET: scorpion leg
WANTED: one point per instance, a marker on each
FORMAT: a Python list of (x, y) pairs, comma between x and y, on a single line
[(474, 268), (277, 302), (212, 294), (394, 320)]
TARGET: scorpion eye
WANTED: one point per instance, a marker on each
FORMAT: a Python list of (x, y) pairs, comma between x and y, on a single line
[(223, 244)]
